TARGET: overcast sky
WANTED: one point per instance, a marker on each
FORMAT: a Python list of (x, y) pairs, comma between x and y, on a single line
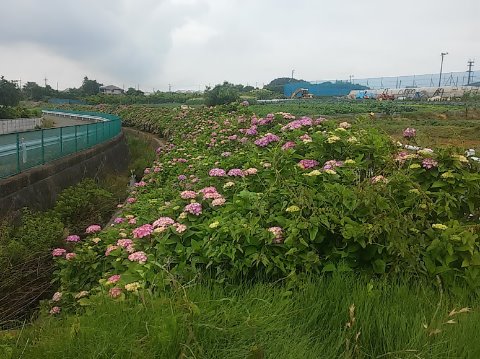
[(193, 43)]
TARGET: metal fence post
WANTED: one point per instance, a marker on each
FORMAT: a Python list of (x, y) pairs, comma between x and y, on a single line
[(61, 141), (18, 152), (43, 149)]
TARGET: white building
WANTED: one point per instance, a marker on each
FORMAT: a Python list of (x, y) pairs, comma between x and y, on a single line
[(111, 90)]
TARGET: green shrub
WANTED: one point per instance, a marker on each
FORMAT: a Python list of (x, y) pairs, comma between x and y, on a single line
[(84, 204), (221, 94)]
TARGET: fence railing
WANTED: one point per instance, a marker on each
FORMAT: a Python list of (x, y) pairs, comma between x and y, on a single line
[(23, 150)]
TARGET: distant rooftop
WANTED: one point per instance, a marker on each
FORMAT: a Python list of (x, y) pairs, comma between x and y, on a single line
[(110, 87)]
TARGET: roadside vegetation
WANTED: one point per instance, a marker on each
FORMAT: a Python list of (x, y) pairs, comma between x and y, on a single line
[(256, 232)]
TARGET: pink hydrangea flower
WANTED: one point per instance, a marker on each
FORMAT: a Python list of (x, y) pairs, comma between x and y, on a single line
[(55, 310), (267, 139), (182, 177), (164, 221), (115, 292), (252, 131), (109, 249), (250, 171), (119, 220), (180, 228), (236, 172), (344, 125), (409, 132), (59, 252), (288, 145), (211, 195), (217, 172), (142, 231), (140, 184), (332, 164), (305, 138), (139, 257), (218, 202), (210, 189), (188, 194), (278, 234), (131, 200), (124, 243), (132, 221), (70, 256), (94, 228), (73, 238), (305, 164), (429, 163), (303, 121), (114, 278), (193, 208), (57, 296)]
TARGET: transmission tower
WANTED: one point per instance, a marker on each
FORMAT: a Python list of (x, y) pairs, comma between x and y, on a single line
[(470, 72)]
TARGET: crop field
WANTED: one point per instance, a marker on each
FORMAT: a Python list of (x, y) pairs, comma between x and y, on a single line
[(270, 231)]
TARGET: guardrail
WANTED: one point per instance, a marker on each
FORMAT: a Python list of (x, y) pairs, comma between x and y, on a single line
[(23, 150)]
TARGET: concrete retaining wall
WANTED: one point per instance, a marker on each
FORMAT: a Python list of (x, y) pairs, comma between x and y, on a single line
[(38, 187)]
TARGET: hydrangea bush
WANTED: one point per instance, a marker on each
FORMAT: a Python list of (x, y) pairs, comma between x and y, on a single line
[(299, 196)]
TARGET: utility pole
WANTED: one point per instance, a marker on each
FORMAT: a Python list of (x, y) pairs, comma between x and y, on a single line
[(441, 67), (45, 80), (169, 87), (470, 65), (292, 74)]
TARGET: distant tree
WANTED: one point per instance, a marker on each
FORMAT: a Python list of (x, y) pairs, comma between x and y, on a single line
[(9, 93), (32, 91), (277, 84), (221, 94), (133, 92), (90, 87)]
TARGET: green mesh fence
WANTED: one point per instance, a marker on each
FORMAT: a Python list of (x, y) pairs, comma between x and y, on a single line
[(23, 150)]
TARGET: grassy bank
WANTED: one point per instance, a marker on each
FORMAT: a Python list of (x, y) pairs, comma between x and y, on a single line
[(344, 316)]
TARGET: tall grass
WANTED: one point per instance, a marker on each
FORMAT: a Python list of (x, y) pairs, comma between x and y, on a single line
[(344, 316)]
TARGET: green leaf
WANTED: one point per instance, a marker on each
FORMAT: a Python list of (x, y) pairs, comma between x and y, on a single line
[(379, 266), (438, 184), (330, 267)]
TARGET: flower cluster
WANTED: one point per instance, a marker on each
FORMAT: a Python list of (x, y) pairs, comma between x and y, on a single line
[(288, 145), (94, 228), (73, 238), (267, 139), (277, 233), (143, 231), (139, 257), (409, 132), (194, 208), (305, 164), (217, 172), (303, 121), (429, 163)]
